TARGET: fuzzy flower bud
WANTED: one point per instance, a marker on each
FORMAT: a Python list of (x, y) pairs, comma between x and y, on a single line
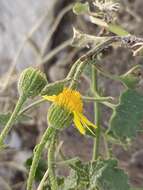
[(59, 117), (31, 82)]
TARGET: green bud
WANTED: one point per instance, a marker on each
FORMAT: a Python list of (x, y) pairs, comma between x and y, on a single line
[(31, 82), (59, 117)]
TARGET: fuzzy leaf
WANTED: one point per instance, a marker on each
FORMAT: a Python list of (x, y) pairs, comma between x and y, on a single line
[(54, 88), (127, 116), (78, 178), (70, 183), (106, 175)]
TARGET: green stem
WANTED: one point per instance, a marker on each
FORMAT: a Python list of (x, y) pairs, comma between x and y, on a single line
[(79, 65), (73, 69), (37, 154), (12, 119), (51, 163), (78, 72), (97, 99), (97, 114), (32, 105)]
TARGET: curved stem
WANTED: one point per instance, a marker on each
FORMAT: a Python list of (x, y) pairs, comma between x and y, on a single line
[(51, 163), (97, 114), (32, 105), (37, 154), (12, 119), (78, 71), (73, 70)]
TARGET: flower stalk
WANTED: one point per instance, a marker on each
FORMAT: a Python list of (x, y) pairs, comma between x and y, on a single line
[(12, 119), (37, 154), (51, 163), (96, 114)]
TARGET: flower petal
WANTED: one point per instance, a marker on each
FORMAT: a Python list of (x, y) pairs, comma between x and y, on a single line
[(85, 120), (88, 125), (49, 98), (78, 123)]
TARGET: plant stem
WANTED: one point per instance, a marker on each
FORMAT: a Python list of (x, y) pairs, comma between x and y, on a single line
[(41, 185), (31, 106), (97, 99), (97, 114), (12, 119), (37, 154), (78, 72), (51, 163), (73, 69)]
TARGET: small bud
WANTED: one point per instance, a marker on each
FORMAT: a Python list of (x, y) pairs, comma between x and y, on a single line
[(59, 117), (31, 82)]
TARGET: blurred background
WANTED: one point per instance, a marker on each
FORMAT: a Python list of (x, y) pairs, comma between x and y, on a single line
[(38, 33)]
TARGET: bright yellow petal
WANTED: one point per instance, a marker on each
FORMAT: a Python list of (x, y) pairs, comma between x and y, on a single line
[(50, 98), (89, 129), (87, 124), (78, 124), (85, 120)]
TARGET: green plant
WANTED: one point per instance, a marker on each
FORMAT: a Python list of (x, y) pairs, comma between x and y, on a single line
[(67, 107)]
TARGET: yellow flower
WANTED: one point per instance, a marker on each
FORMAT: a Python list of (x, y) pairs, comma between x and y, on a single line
[(71, 101)]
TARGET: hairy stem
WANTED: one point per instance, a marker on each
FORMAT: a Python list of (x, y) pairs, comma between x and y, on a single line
[(51, 163), (32, 105), (12, 119), (37, 154), (97, 114)]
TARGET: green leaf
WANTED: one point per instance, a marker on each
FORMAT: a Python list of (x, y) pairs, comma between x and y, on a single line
[(81, 8), (118, 30), (82, 170), (4, 117), (54, 88), (70, 183), (127, 116), (132, 78), (106, 175), (78, 178)]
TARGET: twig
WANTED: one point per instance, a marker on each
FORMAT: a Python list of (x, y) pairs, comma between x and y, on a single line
[(55, 51), (54, 27), (40, 187)]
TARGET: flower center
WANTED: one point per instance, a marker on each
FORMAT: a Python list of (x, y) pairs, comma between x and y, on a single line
[(70, 99)]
